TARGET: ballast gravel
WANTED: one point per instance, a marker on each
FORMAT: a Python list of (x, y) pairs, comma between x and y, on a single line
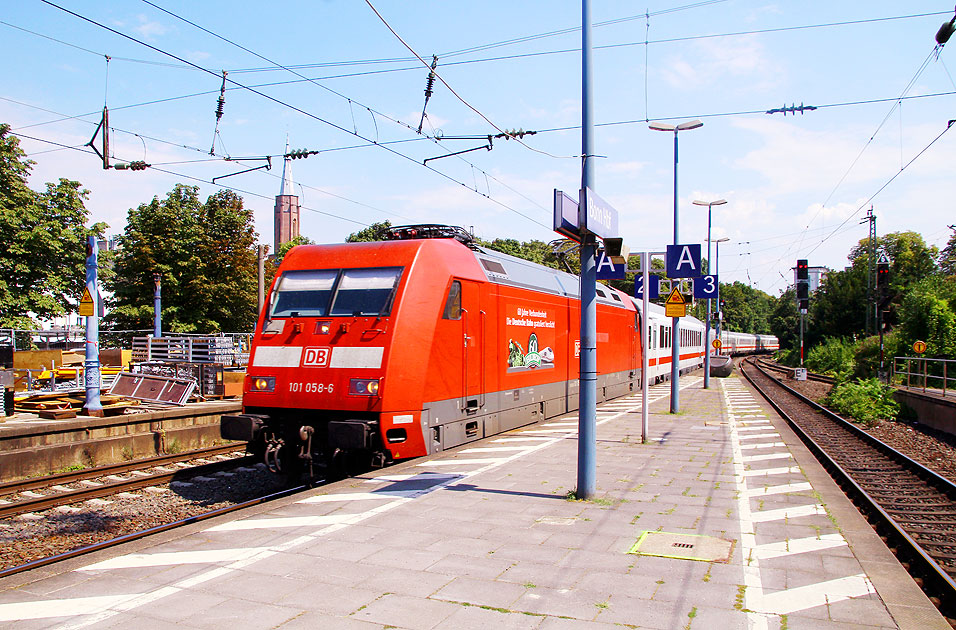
[(38, 535)]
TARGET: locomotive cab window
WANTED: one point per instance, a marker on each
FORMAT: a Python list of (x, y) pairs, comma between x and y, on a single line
[(453, 302), (304, 293), (366, 291), (324, 292)]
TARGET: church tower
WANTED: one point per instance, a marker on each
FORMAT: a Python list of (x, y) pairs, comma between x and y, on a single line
[(287, 206)]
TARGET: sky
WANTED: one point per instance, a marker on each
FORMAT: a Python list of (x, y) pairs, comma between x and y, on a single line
[(346, 78)]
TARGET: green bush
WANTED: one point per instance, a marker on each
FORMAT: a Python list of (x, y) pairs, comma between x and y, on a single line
[(833, 357), (867, 355), (867, 401), (789, 357)]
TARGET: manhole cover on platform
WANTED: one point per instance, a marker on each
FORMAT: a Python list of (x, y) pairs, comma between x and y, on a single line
[(683, 546)]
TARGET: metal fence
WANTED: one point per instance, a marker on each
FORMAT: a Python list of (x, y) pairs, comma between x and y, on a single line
[(936, 375), (74, 338), (226, 349), (43, 380)]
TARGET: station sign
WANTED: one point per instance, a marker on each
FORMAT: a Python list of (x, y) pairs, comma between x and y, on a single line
[(566, 216), (596, 215), (706, 287), (654, 282), (683, 261), (675, 306), (607, 269)]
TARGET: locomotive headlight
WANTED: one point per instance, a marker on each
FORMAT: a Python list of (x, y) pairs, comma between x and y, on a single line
[(363, 387), (263, 384), (323, 328)]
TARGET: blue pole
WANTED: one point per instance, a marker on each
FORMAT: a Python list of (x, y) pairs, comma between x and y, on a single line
[(587, 391), (675, 336), (91, 363), (157, 306)]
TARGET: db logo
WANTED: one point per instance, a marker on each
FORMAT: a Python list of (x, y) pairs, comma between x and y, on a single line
[(316, 357)]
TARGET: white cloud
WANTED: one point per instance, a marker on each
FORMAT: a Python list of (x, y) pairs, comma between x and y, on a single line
[(717, 61), (197, 55), (149, 29), (627, 169)]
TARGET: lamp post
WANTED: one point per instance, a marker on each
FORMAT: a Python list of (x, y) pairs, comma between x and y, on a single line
[(716, 263), (675, 336), (710, 205)]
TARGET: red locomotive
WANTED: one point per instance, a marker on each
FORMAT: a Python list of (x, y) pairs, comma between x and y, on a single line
[(406, 347)]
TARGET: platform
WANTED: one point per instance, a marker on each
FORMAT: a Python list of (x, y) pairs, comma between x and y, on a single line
[(32, 446), (723, 520)]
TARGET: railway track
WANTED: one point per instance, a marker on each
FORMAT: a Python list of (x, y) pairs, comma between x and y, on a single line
[(767, 364), (44, 493), (142, 533), (87, 519), (912, 508)]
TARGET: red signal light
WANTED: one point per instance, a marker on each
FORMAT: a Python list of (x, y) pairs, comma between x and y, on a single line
[(803, 271)]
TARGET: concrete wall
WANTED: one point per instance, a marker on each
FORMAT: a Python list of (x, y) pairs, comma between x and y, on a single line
[(933, 411), (31, 448)]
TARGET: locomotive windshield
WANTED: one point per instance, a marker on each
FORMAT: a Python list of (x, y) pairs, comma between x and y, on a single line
[(335, 292)]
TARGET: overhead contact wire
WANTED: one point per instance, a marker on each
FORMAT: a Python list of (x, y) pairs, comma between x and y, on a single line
[(290, 106)]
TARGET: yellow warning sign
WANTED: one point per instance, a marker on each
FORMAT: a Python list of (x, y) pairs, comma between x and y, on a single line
[(919, 347), (716, 343), (675, 306), (87, 306)]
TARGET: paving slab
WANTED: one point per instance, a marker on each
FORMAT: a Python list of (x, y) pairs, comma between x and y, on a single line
[(479, 538)]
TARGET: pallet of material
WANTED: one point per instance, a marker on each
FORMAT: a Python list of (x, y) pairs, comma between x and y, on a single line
[(55, 406)]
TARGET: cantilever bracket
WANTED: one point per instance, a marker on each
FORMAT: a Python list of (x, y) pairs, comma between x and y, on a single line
[(267, 166)]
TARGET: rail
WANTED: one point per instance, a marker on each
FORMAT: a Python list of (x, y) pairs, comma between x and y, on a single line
[(923, 556), (926, 371)]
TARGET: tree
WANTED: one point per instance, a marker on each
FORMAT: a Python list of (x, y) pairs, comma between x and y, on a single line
[(374, 232), (745, 309), (947, 257), (536, 251), (927, 315), (838, 306), (206, 256), (42, 271), (785, 319), (911, 259)]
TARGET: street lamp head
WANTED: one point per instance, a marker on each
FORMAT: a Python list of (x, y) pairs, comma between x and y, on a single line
[(719, 202), (722, 240), (691, 124), (684, 126)]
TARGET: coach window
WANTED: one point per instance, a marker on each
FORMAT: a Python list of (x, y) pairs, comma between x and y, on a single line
[(453, 302)]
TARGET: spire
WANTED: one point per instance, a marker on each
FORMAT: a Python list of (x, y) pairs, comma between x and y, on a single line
[(287, 186)]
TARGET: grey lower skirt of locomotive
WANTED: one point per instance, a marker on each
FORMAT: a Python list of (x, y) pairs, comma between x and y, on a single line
[(299, 442)]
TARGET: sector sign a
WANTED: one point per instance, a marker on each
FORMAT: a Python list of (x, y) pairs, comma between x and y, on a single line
[(683, 261), (607, 269)]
